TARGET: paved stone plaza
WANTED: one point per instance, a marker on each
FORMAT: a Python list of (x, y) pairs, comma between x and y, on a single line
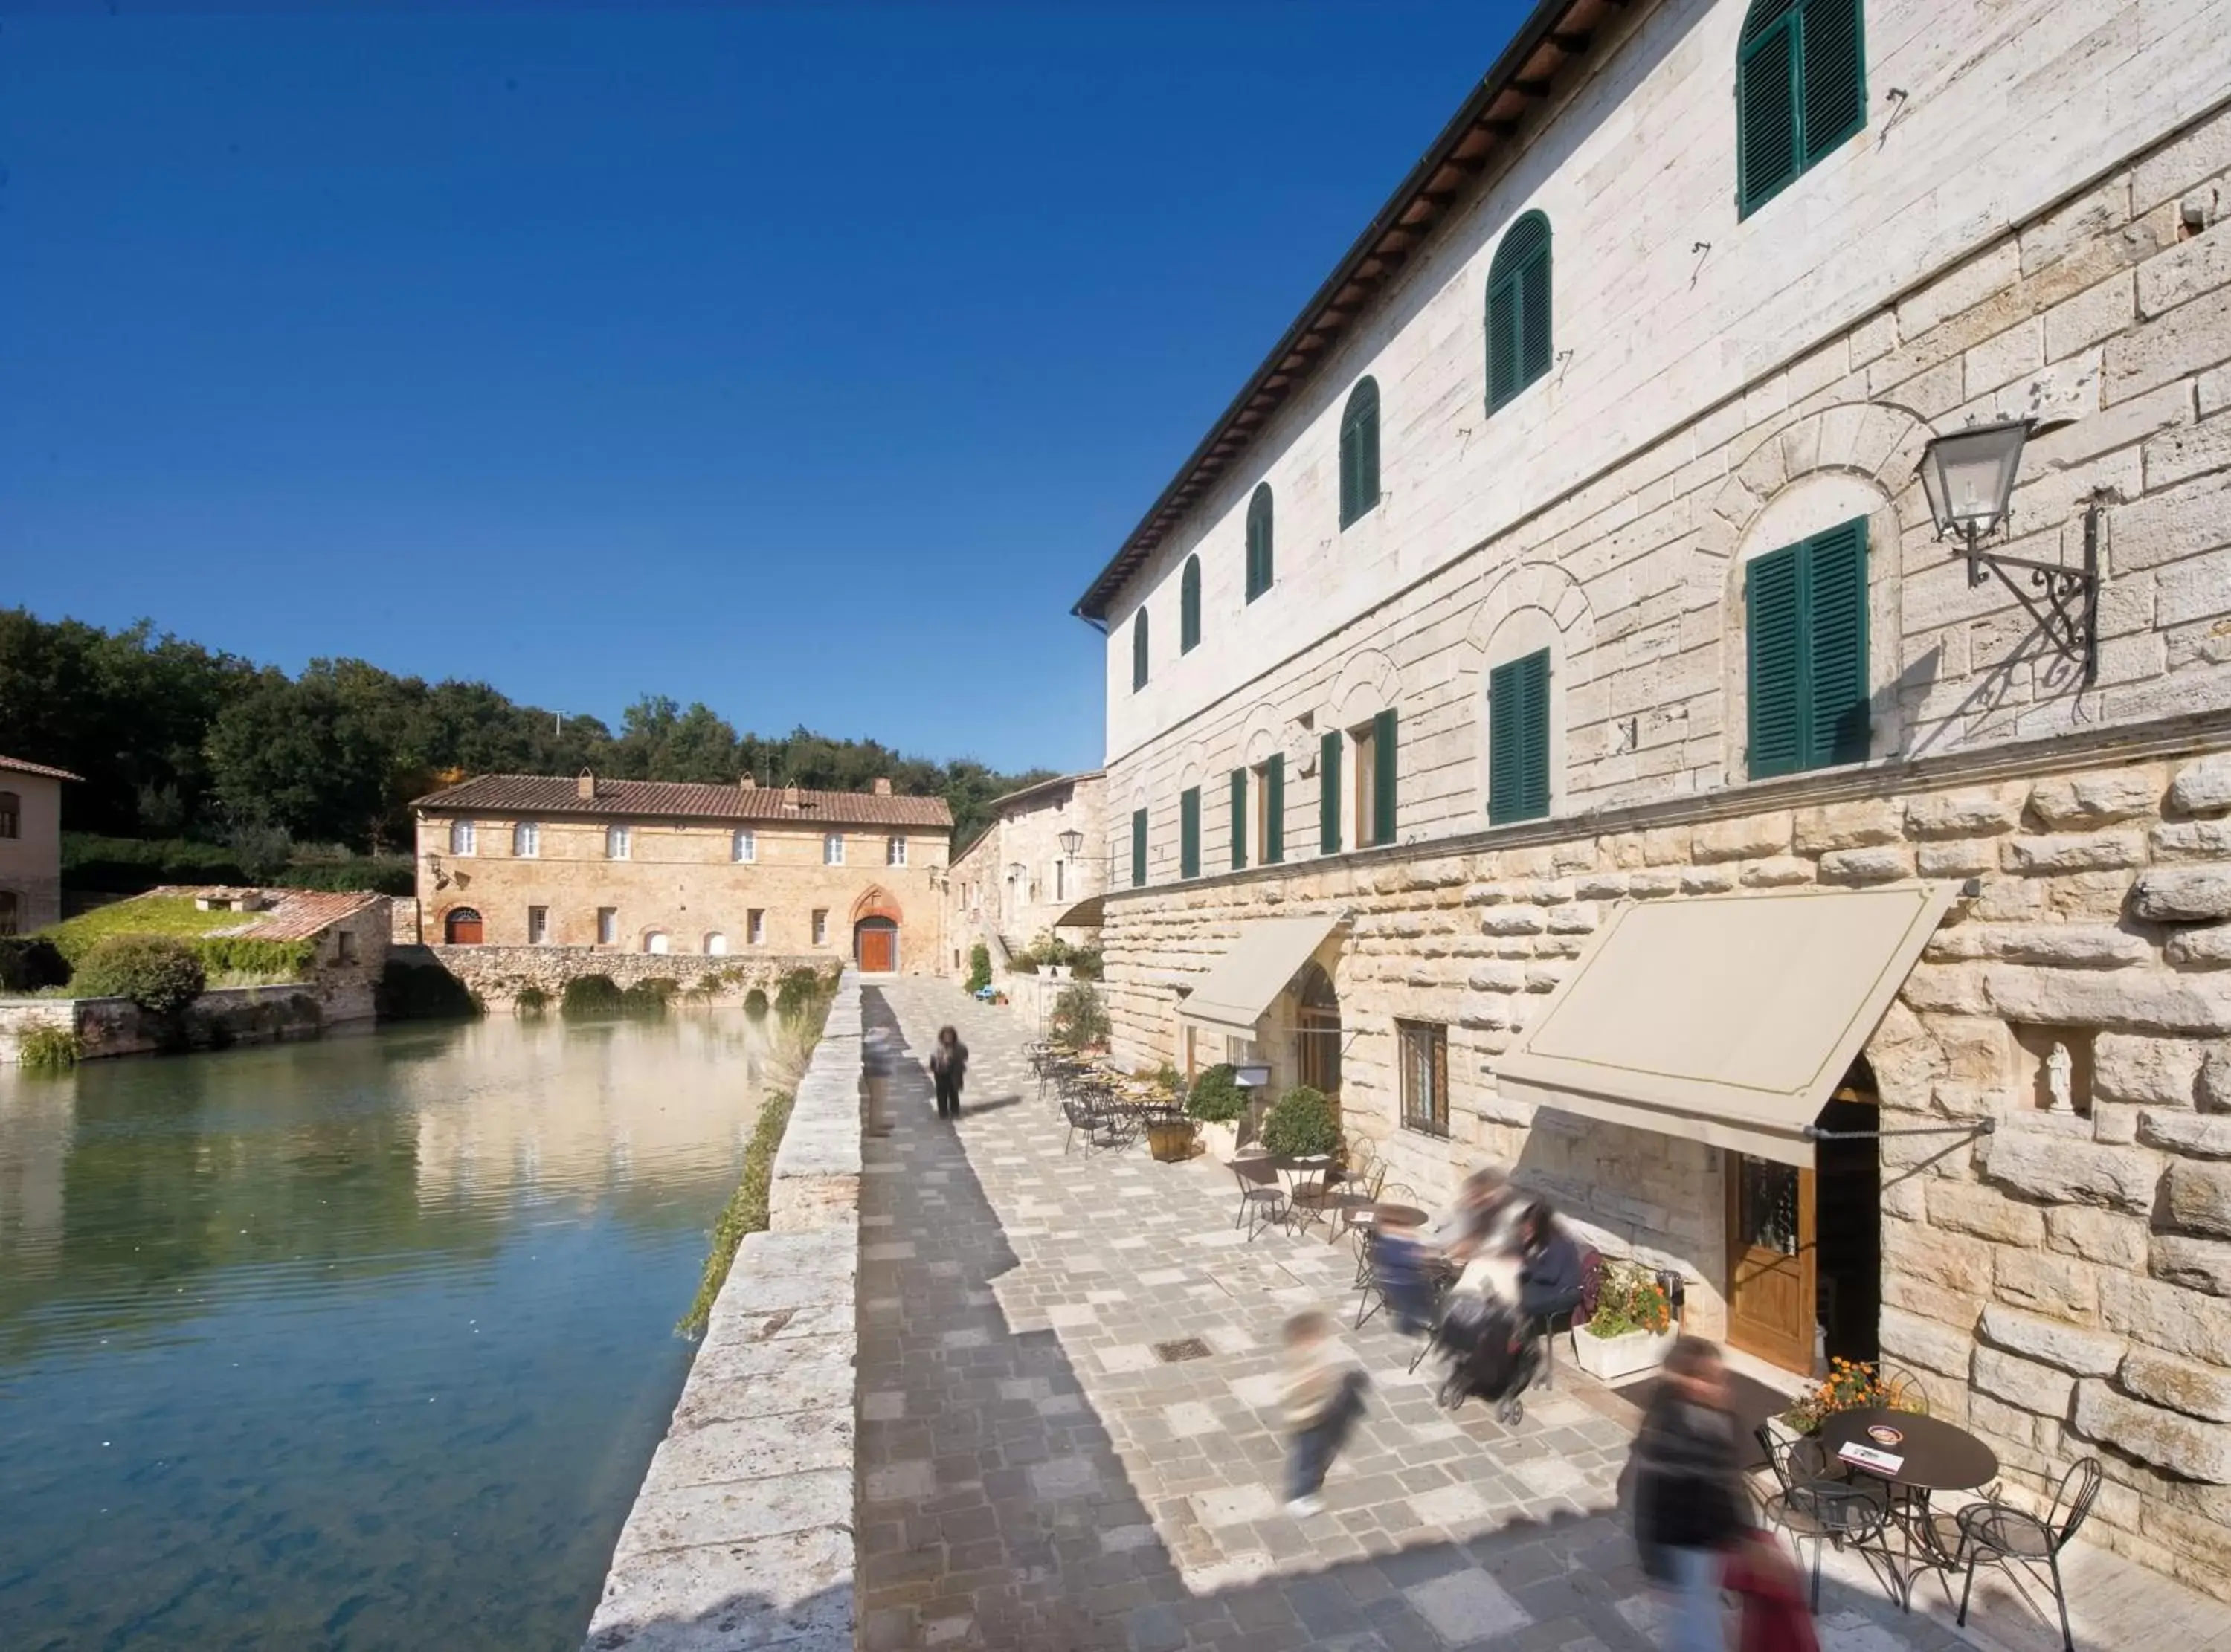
[(1034, 1477)]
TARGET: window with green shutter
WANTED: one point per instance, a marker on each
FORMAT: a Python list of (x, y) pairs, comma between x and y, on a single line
[(1800, 90), (1806, 616), (1139, 651), (1189, 833), (1518, 740), (1359, 451), (1239, 820), (1274, 809), (1518, 340), (1329, 794), (1260, 568), (1138, 849), (1189, 606), (1382, 777)]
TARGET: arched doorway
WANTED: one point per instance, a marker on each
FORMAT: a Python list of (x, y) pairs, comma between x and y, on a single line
[(876, 933), (1317, 1030), (716, 945), (657, 942), (462, 928)]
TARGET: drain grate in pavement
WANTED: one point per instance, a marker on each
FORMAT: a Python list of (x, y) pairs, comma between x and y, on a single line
[(1171, 1353)]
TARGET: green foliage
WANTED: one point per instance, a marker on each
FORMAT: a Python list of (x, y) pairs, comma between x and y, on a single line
[(797, 992), (128, 865), (755, 1002), (979, 967), (587, 996), (531, 1001), (644, 999), (160, 974), (746, 1211), (262, 849), (387, 875), (270, 960), (1217, 1097), (48, 1050), (32, 964), (1301, 1125), (1080, 1017), (422, 992), (1083, 961), (143, 915), (1628, 1299)]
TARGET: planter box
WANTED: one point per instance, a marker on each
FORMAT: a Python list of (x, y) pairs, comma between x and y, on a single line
[(1614, 1360), (1169, 1143), (1220, 1141)]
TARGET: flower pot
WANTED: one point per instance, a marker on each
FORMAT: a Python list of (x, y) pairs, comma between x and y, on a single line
[(1220, 1141), (1170, 1142), (1614, 1360)]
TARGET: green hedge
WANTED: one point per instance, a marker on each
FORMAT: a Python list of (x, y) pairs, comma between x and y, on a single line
[(1302, 1124), (128, 865), (29, 963), (160, 974), (387, 875), (287, 960)]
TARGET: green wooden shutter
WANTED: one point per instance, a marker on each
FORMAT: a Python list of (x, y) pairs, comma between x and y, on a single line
[(1774, 618), (1189, 606), (1832, 100), (1259, 563), (1274, 811), (1359, 451), (1518, 740), (1139, 652), (1836, 645), (1370, 463), (1534, 314), (1189, 833), (1502, 343), (1329, 794), (1767, 153), (1382, 777), (1138, 849), (1239, 820)]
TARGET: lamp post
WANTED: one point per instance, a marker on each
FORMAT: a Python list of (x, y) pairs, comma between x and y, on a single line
[(1968, 476)]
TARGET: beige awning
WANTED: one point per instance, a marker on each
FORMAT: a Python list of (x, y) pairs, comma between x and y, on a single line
[(1247, 979), (1730, 1021), (1085, 914)]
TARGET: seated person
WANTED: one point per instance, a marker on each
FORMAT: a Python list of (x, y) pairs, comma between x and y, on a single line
[(1401, 1266), (1548, 1267), (1482, 1204)]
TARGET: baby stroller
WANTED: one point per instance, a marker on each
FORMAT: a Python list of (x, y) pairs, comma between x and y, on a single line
[(1490, 1355)]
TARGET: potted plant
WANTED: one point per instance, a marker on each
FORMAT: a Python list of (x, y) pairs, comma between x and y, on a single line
[(1302, 1124), (1631, 1328), (1217, 1104), (1850, 1386)]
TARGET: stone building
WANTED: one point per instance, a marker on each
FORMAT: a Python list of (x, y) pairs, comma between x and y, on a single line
[(1020, 881), (1543, 714), (659, 867), (31, 845)]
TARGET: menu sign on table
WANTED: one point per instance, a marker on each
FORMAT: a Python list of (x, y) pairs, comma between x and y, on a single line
[(1883, 1463)]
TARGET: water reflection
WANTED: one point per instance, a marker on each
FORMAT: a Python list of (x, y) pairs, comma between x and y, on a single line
[(353, 1343)]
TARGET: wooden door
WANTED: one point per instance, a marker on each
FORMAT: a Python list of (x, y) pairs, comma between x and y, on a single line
[(463, 928), (1771, 1261), (879, 949)]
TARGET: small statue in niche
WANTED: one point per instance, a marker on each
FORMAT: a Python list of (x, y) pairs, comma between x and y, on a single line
[(2060, 1080)]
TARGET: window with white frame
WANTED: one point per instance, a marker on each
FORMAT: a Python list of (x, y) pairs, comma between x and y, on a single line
[(619, 842), (608, 925), (833, 848), (755, 926), (820, 926), (461, 837), (744, 846), (526, 840), (538, 926), (894, 852)]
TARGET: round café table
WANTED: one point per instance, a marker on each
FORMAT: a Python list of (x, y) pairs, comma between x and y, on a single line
[(1937, 1457)]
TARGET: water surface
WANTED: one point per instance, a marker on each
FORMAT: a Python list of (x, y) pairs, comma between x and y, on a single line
[(357, 1343)]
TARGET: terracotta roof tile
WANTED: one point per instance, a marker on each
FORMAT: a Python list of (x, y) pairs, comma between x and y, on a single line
[(18, 766), (546, 795), (294, 914)]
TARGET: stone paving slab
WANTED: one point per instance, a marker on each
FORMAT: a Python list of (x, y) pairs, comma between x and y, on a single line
[(1035, 1475)]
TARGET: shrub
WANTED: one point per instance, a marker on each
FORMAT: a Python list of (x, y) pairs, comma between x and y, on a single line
[(48, 1050), (128, 865), (273, 959), (644, 999), (1302, 1124), (261, 849), (1084, 963), (798, 991), (1628, 1299), (388, 874), (1217, 1097), (979, 967), (422, 992), (589, 995), (1080, 1018), (746, 1211), (30, 964), (531, 1001), (160, 974), (755, 1002)]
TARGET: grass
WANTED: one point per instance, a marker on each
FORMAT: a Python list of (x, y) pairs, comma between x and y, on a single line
[(48, 1050), (746, 1211), (141, 915)]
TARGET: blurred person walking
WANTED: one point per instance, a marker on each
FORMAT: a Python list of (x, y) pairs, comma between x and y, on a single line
[(1688, 1497), (1323, 1395), (948, 1071)]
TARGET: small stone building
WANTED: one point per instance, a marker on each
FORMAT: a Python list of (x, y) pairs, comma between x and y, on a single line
[(1021, 881), (668, 869), (31, 845), (1542, 711)]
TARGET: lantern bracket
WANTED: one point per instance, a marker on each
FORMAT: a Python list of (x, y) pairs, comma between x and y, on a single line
[(2063, 601)]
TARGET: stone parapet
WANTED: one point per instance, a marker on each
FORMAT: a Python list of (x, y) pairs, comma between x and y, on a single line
[(742, 1534), (217, 1019), (497, 975)]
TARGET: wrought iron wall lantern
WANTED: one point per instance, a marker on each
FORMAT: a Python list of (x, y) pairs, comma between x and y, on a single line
[(1970, 478), (1072, 842)]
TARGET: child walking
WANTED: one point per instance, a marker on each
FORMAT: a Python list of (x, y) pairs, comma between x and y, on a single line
[(1324, 1396)]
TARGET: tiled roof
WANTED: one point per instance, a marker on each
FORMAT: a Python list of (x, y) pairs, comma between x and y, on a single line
[(1037, 786), (294, 914), (545, 796), (18, 766)]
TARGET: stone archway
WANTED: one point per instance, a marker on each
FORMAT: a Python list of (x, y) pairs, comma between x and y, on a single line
[(875, 920), (463, 928)]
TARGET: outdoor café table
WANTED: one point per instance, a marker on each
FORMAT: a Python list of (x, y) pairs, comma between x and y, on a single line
[(1308, 1184), (1936, 1456), (1400, 1215)]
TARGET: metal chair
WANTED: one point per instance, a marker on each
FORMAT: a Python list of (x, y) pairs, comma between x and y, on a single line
[(2000, 1534), (1835, 1511), (1262, 1194), (1904, 1389)]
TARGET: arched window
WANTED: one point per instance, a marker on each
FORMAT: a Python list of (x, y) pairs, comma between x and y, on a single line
[(1518, 346), (1139, 651), (716, 945), (463, 928), (1359, 451), (656, 941), (1189, 606), (1800, 90), (1260, 570)]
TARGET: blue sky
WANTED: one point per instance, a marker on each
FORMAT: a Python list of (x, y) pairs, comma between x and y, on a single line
[(806, 359)]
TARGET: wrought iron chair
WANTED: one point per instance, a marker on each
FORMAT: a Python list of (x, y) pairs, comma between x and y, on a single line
[(2000, 1535), (1262, 1194), (1904, 1388)]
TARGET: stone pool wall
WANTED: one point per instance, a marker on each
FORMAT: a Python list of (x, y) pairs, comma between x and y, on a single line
[(742, 1533), (217, 1020), (498, 974)]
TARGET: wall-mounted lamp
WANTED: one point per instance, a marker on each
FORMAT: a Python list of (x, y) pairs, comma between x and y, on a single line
[(1072, 842), (1970, 478)]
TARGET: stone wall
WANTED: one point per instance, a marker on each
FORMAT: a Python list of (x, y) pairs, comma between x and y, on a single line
[(499, 974), (31, 861), (742, 1534), (982, 895), (217, 1020), (2063, 1283)]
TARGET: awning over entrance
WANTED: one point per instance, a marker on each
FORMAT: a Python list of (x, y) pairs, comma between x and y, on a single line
[(1085, 914), (1234, 995), (1730, 1020)]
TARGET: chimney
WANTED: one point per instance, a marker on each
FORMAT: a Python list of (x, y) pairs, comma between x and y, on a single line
[(749, 782), (585, 786), (883, 786), (790, 797)]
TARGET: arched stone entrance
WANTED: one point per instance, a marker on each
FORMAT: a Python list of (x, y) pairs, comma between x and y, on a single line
[(1316, 1031), (462, 927), (876, 933)]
